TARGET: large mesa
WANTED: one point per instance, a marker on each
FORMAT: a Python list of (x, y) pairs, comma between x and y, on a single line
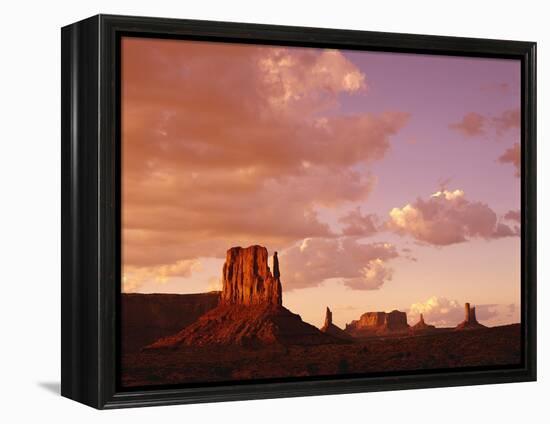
[(378, 323)]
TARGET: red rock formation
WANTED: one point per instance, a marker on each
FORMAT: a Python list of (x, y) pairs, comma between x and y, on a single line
[(470, 320), (276, 272), (422, 327), (247, 279), (378, 323), (250, 311), (328, 318), (333, 330), (248, 326), (473, 314)]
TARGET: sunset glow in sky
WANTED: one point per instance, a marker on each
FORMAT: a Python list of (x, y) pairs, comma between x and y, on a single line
[(385, 181)]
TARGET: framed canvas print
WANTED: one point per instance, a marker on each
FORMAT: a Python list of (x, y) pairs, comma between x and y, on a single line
[(253, 211)]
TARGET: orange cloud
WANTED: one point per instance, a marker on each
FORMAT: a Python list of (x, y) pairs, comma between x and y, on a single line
[(447, 217), (513, 215), (292, 75), (133, 277), (192, 216), (226, 144), (474, 124), (358, 266), (357, 224), (512, 155), (471, 125)]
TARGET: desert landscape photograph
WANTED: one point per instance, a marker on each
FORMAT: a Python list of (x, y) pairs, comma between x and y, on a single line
[(301, 213)]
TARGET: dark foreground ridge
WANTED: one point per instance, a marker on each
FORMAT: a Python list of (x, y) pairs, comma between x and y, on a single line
[(148, 317)]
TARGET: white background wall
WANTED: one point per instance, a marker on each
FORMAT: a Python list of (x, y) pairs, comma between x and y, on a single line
[(30, 242)]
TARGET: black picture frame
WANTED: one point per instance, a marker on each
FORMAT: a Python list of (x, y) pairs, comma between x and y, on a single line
[(90, 182)]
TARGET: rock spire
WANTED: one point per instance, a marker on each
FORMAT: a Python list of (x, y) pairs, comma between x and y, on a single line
[(470, 320), (421, 326), (328, 317), (333, 330)]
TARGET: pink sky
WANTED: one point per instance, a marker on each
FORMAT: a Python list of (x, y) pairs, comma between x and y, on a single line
[(385, 181)]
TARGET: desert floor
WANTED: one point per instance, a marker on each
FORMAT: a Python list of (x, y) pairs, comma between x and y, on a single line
[(452, 349)]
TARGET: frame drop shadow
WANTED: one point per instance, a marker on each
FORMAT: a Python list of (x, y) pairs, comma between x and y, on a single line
[(51, 386)]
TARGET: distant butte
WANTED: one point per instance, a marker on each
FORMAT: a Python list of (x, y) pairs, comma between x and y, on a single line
[(378, 323), (250, 312)]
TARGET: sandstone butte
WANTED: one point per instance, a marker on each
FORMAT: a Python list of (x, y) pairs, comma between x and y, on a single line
[(247, 279), (250, 311), (378, 323)]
